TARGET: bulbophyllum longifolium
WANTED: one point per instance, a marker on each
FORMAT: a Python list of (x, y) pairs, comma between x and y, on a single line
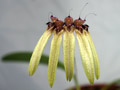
[(87, 49)]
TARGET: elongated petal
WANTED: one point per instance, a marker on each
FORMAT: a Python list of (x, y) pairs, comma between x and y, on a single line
[(86, 60), (89, 51), (54, 55), (95, 56), (68, 52), (36, 55)]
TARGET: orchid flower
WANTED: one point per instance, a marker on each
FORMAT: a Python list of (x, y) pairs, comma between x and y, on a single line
[(88, 53)]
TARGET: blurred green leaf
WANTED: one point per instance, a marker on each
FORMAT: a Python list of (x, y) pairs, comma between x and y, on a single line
[(25, 57), (117, 81)]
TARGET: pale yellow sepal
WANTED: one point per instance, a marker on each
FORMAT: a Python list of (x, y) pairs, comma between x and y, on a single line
[(37, 53), (86, 57), (68, 52), (54, 55), (95, 56)]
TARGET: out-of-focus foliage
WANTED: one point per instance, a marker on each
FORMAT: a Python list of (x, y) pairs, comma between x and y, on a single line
[(25, 57)]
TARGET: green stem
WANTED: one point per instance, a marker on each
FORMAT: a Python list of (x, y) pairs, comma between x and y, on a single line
[(76, 82), (75, 77)]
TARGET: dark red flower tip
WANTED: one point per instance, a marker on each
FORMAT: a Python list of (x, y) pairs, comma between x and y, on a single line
[(50, 24), (79, 22), (54, 19), (86, 27), (68, 21), (59, 25)]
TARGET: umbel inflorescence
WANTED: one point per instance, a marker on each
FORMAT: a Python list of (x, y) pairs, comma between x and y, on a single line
[(67, 27)]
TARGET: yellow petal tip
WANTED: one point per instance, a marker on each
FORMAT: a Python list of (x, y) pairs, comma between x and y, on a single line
[(51, 85), (97, 77), (92, 82), (51, 82), (30, 74), (68, 78)]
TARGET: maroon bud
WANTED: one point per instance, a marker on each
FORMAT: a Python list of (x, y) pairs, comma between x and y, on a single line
[(79, 22), (50, 24), (54, 19), (86, 27), (59, 25), (68, 21)]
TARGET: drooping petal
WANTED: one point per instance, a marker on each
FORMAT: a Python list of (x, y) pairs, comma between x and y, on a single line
[(54, 55), (68, 52), (95, 56), (87, 61), (89, 51), (36, 55)]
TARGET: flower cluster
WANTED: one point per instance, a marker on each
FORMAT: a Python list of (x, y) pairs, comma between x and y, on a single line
[(88, 53)]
